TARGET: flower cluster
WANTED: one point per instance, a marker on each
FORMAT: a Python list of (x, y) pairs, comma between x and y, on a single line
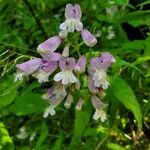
[(65, 70)]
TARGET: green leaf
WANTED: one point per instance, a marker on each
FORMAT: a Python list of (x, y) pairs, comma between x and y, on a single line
[(81, 120), (28, 103), (123, 92), (44, 134), (6, 142), (136, 18), (8, 91), (134, 45), (113, 146), (59, 142)]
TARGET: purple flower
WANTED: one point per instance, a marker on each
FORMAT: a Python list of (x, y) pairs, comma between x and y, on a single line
[(55, 96), (27, 68), (81, 64), (66, 75), (46, 69), (98, 68), (54, 56), (88, 38), (58, 90), (49, 46), (73, 15), (99, 106)]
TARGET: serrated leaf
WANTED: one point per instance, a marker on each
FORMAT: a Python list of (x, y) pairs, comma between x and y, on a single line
[(123, 92)]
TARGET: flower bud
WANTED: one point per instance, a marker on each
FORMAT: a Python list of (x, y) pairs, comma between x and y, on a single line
[(49, 46), (88, 38)]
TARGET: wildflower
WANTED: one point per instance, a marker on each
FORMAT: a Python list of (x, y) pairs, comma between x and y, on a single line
[(81, 64), (111, 33), (22, 133), (79, 104), (68, 101), (73, 15), (46, 69), (88, 38), (99, 106), (65, 52), (66, 75), (27, 68), (58, 90), (98, 68), (54, 102), (49, 46)]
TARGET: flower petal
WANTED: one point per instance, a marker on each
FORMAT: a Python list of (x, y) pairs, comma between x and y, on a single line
[(49, 46), (29, 66), (88, 38), (59, 76)]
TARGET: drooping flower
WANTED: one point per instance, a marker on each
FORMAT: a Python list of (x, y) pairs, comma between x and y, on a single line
[(54, 96), (79, 104), (99, 106), (66, 75), (73, 15), (81, 64), (27, 68), (49, 46), (68, 101), (98, 68), (46, 69), (88, 38), (58, 90)]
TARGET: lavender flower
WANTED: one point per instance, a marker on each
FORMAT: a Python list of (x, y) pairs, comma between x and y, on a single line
[(58, 90), (81, 64), (99, 106), (88, 38), (98, 68), (66, 75), (49, 46), (27, 68), (46, 69), (73, 15)]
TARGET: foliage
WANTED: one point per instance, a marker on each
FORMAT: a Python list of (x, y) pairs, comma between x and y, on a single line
[(23, 25)]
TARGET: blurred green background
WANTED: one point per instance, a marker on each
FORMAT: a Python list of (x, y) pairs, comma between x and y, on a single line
[(122, 28)]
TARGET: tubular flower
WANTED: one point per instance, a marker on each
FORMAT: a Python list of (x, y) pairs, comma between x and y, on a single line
[(49, 46), (46, 69), (99, 106), (98, 68), (81, 64), (66, 75), (27, 68), (88, 38), (73, 15), (54, 102), (79, 104), (68, 101)]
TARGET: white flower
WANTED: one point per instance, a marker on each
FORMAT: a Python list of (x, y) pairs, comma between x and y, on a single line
[(49, 110), (100, 114), (66, 76), (100, 78)]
